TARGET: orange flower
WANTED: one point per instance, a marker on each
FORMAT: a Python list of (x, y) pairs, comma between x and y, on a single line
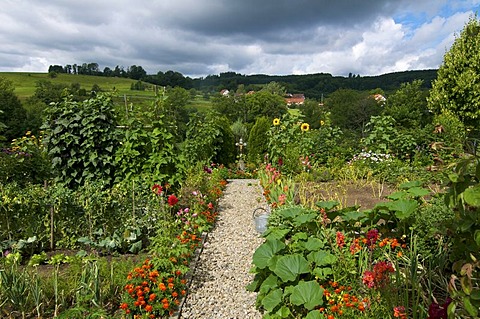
[(174, 294), (148, 308), (152, 297), (170, 285), (124, 306), (162, 287), (166, 305)]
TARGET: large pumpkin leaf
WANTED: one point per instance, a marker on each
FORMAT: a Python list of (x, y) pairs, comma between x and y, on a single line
[(276, 233), (304, 219), (322, 258), (269, 283), (290, 266), (284, 312), (266, 251), (313, 244), (291, 212), (308, 294), (327, 205), (272, 300), (418, 191), (314, 314), (322, 273), (403, 208)]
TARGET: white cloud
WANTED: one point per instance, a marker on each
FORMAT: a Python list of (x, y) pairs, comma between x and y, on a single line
[(201, 37)]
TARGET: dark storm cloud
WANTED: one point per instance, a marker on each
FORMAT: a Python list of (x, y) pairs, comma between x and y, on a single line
[(201, 37)]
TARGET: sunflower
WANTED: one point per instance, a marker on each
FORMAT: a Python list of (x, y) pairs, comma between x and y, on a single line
[(305, 127), (276, 121)]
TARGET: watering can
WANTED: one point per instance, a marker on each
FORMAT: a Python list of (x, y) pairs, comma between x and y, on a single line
[(260, 217)]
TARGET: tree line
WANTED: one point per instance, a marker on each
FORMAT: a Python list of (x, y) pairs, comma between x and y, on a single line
[(314, 86)]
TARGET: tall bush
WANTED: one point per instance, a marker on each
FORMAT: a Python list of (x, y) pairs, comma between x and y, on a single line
[(257, 141), (81, 139)]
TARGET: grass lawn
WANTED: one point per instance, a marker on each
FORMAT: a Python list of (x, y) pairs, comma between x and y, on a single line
[(25, 83)]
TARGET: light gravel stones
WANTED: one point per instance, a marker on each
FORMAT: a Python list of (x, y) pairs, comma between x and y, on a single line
[(221, 274)]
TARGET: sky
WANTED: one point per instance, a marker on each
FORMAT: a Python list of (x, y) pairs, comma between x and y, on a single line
[(205, 37)]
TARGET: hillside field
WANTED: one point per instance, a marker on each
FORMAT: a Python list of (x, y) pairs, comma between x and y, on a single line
[(25, 83)]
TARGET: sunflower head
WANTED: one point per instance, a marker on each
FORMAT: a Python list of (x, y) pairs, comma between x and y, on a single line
[(276, 121), (305, 127)]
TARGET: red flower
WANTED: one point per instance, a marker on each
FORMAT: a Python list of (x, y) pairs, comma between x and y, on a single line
[(210, 206), (399, 312), (157, 189), (172, 200), (372, 237), (340, 239), (368, 279)]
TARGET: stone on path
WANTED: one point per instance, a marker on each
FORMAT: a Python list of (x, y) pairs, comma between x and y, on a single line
[(222, 272)]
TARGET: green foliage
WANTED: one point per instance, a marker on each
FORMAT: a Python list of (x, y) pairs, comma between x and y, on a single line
[(457, 88), (464, 198), (210, 138), (148, 149), (351, 109), (408, 106), (288, 143), (386, 137), (265, 103), (315, 113), (25, 161), (450, 135), (257, 141), (81, 140), (12, 114)]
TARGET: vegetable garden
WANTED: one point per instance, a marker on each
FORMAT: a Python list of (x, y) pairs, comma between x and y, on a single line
[(101, 214)]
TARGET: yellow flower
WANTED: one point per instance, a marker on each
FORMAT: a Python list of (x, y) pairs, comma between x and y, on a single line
[(322, 122), (305, 127), (276, 121)]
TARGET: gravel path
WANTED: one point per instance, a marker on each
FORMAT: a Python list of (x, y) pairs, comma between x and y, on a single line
[(222, 272)]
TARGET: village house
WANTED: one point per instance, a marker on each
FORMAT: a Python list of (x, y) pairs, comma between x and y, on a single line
[(297, 99)]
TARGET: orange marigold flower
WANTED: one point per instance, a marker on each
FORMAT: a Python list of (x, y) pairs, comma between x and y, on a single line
[(166, 305), (170, 285), (148, 308), (162, 286), (174, 294), (124, 306)]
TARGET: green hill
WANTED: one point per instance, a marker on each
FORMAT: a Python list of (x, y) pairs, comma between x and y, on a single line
[(25, 83)]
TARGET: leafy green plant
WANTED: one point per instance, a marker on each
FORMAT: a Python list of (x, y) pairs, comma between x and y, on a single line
[(81, 139), (463, 197)]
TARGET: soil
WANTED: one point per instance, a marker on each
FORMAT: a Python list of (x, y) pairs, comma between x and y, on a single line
[(361, 194)]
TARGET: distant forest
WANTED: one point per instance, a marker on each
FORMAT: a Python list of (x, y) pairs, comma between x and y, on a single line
[(313, 86)]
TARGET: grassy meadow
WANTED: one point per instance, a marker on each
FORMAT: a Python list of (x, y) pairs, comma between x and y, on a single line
[(25, 83)]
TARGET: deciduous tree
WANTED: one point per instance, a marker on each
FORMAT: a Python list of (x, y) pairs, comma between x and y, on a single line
[(457, 87)]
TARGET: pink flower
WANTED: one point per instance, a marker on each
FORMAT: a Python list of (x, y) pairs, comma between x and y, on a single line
[(172, 200)]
